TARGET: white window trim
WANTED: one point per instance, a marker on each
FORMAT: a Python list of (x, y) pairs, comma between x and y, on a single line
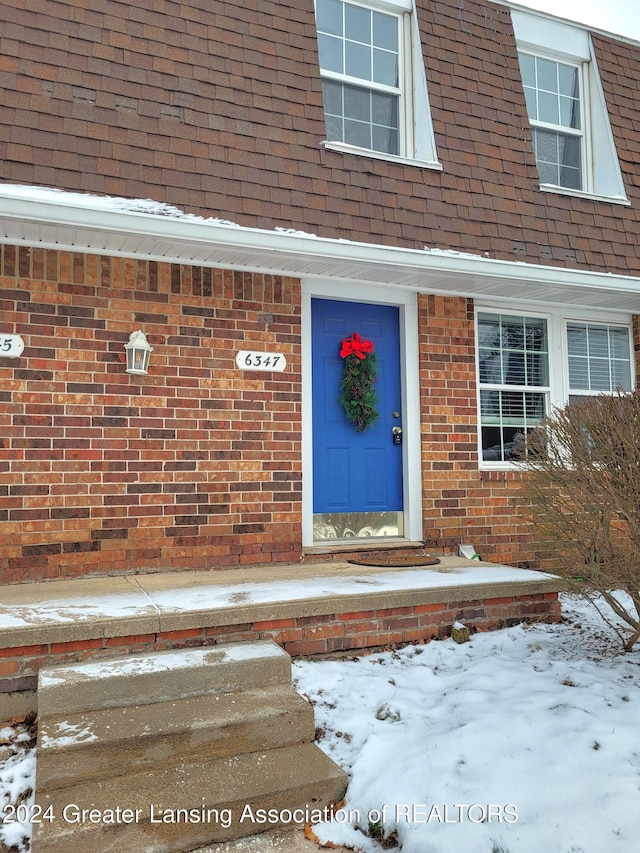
[(557, 391), (417, 139), (554, 39)]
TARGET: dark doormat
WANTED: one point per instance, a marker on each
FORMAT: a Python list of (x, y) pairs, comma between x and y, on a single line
[(396, 562)]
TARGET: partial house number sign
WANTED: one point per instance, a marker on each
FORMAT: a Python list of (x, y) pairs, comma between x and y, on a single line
[(252, 360), (11, 346)]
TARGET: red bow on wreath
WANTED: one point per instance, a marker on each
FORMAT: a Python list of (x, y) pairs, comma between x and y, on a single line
[(357, 394), (355, 345)]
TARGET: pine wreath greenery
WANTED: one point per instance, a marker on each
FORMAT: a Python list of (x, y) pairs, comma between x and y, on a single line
[(357, 394)]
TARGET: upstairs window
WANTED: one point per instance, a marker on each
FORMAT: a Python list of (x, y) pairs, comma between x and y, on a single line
[(572, 140), (553, 91), (373, 80), (360, 60)]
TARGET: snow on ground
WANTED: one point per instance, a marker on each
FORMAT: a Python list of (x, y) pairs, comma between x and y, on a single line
[(519, 741), (17, 780), (447, 744)]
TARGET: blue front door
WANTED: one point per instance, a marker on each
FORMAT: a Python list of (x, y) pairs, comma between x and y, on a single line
[(357, 476)]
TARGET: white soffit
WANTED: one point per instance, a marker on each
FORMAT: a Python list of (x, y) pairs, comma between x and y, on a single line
[(81, 227)]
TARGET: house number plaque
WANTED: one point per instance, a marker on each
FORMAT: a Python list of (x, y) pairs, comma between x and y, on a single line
[(11, 346), (252, 360)]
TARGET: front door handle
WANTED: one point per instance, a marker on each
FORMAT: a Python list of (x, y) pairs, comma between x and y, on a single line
[(396, 433)]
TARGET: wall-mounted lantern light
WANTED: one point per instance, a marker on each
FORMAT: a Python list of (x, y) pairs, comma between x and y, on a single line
[(138, 352)]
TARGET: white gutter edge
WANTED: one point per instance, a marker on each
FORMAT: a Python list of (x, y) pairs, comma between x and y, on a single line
[(193, 230)]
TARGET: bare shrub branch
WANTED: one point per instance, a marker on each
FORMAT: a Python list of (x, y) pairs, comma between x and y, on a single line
[(582, 493)]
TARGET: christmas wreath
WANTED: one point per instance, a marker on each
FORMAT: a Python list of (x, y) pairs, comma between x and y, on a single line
[(357, 395)]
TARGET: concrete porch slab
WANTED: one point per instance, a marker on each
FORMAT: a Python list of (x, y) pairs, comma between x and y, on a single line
[(62, 611), (307, 608)]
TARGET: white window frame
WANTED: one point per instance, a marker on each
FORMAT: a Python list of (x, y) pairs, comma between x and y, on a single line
[(552, 39), (416, 137), (586, 173), (558, 389)]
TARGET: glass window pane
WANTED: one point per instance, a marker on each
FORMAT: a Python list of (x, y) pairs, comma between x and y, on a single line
[(357, 61), (513, 366), (547, 75), (532, 102), (568, 80), (600, 375), (385, 110), (619, 343), (548, 109), (357, 23), (488, 330), (385, 139), (569, 150), (535, 334), (334, 127), (549, 173), (385, 31), (528, 69), (546, 146), (357, 103), (570, 178), (385, 68), (536, 369), (490, 406), (570, 112), (330, 50), (620, 376), (332, 97), (357, 133), (329, 16), (577, 339), (598, 337), (490, 365), (578, 373)]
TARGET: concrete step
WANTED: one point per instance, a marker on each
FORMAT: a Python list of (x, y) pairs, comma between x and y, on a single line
[(183, 807), (161, 677), (90, 745)]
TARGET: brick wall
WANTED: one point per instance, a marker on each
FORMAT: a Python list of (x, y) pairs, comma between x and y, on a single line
[(217, 108), (198, 465), (193, 466), (299, 635), (461, 503)]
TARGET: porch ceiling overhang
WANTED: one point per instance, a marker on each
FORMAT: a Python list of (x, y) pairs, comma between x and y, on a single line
[(85, 224)]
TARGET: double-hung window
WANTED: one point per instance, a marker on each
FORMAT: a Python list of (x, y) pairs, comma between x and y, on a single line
[(513, 364), (529, 364), (373, 79), (572, 139), (360, 58), (553, 91)]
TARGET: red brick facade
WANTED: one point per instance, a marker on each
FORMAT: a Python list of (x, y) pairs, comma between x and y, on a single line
[(461, 502), (193, 466), (217, 109)]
